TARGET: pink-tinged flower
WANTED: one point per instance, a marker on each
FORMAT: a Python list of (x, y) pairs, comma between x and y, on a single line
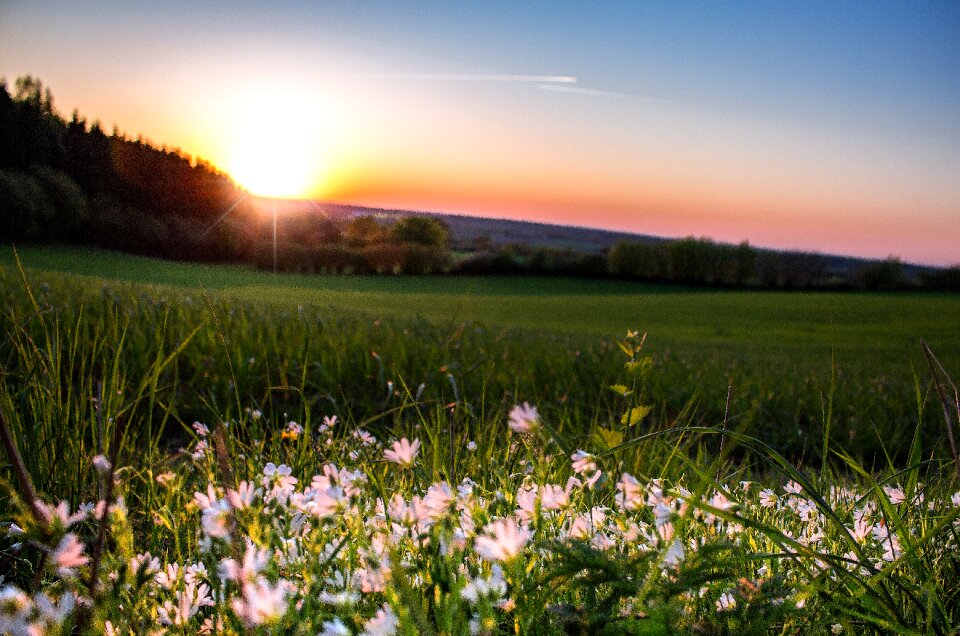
[(768, 498), (383, 624), (861, 529), (793, 488), (217, 520), (201, 429), (523, 418), (262, 602), (254, 561), (243, 496), (102, 464), (60, 513), (149, 564), (403, 452), (167, 577), (896, 494), (188, 603), (278, 477), (553, 497), (504, 539), (631, 492), (583, 462), (438, 499), (69, 555)]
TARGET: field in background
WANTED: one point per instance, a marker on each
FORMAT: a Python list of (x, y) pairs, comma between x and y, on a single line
[(554, 338)]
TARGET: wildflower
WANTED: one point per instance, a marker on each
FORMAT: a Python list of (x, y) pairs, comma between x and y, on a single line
[(262, 602), (202, 430), (503, 540), (61, 513), (630, 496), (383, 624), (164, 478), (334, 628), (144, 564), (793, 488), (188, 603), (523, 418), (403, 452), (674, 554), (102, 464), (256, 414), (494, 587), (471, 446), (582, 462), (216, 520), (553, 497), (726, 602), (768, 498), (69, 555), (243, 496), (896, 494), (167, 577), (293, 431)]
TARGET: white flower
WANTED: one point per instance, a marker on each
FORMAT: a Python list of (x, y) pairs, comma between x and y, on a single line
[(217, 520), (726, 602), (403, 452), (262, 602), (793, 488), (69, 555), (167, 577), (674, 554), (243, 496), (383, 624), (102, 464), (768, 498), (334, 628), (630, 496), (145, 564), (471, 446), (583, 462), (896, 494), (504, 539), (523, 418)]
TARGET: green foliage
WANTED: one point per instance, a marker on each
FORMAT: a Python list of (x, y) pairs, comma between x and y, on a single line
[(421, 230)]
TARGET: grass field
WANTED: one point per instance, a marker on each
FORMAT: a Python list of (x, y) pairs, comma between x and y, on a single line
[(313, 514), (778, 350)]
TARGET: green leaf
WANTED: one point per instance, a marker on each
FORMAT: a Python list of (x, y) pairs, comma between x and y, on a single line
[(608, 438), (635, 415)]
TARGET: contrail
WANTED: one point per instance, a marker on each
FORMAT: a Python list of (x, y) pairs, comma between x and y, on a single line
[(476, 77)]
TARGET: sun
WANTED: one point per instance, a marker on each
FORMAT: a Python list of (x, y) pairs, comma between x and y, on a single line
[(277, 147)]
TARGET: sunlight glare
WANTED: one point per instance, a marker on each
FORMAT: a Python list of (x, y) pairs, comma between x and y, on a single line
[(277, 145)]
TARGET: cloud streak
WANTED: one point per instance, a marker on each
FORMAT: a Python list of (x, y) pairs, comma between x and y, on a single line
[(546, 80)]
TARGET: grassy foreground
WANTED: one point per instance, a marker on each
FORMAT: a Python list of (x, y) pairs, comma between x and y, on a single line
[(364, 470)]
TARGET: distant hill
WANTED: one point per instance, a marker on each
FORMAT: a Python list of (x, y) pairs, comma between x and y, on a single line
[(466, 231)]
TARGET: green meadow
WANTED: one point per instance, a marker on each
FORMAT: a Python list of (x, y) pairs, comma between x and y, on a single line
[(788, 360)]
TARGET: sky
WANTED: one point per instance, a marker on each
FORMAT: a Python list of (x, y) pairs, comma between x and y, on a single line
[(822, 126)]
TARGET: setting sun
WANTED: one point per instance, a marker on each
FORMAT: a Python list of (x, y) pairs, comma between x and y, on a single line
[(278, 145)]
